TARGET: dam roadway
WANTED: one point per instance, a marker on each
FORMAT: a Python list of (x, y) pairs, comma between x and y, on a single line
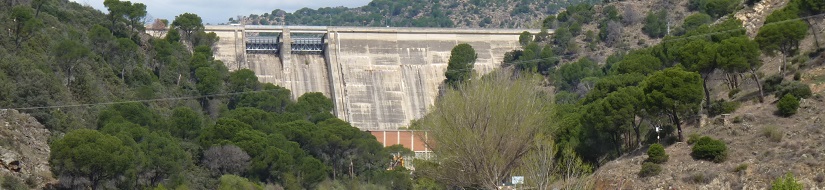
[(378, 78)]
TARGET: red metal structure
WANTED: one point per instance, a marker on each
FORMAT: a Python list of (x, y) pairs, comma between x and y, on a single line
[(410, 139)]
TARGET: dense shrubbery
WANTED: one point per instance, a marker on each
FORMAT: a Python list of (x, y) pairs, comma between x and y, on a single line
[(787, 106), (795, 88), (694, 21), (650, 169), (416, 13), (656, 154), (655, 24), (710, 149), (714, 8), (192, 132), (772, 83), (12, 183), (719, 107)]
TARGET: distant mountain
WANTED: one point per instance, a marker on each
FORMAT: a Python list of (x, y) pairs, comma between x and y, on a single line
[(421, 13)]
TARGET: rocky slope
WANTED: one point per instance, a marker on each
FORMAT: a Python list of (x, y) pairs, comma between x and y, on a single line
[(24, 149), (754, 159)]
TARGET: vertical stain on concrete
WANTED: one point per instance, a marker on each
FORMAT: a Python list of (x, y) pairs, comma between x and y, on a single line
[(379, 78)]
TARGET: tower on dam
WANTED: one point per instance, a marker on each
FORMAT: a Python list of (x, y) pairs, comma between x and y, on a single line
[(378, 78)]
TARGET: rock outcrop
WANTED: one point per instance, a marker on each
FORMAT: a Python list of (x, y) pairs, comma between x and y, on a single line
[(24, 149), (753, 17)]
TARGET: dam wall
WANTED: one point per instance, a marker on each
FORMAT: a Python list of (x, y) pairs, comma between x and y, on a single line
[(378, 78)]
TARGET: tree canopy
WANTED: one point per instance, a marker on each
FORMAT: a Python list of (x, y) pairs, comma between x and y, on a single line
[(782, 37), (90, 154), (188, 24), (133, 14), (460, 66), (675, 93)]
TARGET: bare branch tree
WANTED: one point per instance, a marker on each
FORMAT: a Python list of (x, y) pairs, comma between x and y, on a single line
[(630, 16), (614, 33), (482, 130), (159, 27), (227, 159), (539, 167)]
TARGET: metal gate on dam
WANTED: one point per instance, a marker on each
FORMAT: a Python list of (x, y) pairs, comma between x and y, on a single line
[(378, 78)]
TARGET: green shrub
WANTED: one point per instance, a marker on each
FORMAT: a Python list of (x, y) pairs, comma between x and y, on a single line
[(737, 119), (656, 154), (719, 107), (771, 84), (797, 76), (795, 88), (787, 106), (710, 149), (801, 59), (773, 133), (714, 8), (655, 24), (650, 169), (236, 182), (12, 183), (692, 138), (786, 183), (733, 92), (695, 20)]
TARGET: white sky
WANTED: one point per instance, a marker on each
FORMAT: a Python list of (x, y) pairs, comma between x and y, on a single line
[(219, 11)]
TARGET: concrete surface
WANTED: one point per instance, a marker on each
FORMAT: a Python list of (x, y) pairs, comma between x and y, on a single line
[(378, 78)]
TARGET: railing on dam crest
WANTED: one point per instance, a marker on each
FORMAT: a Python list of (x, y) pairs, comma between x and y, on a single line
[(263, 44), (307, 44)]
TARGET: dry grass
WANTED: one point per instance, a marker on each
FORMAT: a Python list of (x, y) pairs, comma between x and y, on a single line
[(773, 133), (740, 168), (704, 177)]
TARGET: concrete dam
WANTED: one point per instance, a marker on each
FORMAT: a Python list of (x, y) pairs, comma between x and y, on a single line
[(378, 78)]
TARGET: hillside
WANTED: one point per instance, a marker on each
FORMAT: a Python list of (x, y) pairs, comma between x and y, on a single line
[(762, 146), (603, 61), (426, 13), (24, 151), (121, 109), (755, 159)]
